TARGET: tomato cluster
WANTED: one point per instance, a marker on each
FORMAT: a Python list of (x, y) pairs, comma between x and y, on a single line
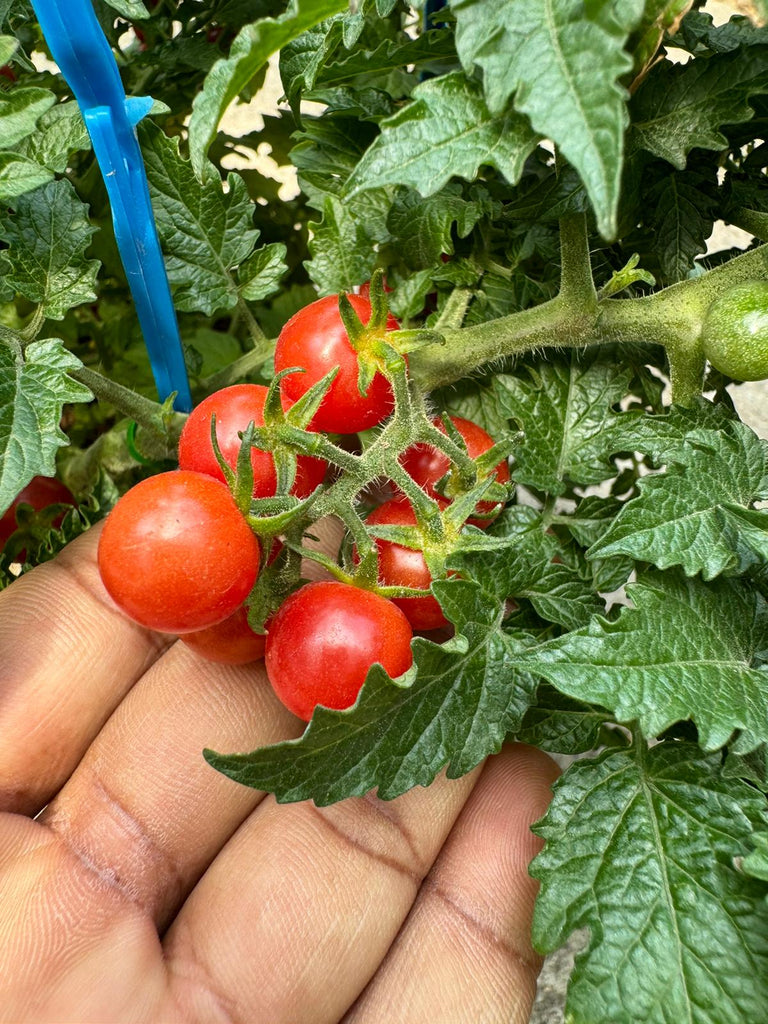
[(178, 555)]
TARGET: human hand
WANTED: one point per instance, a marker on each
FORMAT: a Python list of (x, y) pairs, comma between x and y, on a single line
[(149, 888)]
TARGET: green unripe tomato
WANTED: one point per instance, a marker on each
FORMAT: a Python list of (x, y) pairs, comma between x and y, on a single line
[(735, 332)]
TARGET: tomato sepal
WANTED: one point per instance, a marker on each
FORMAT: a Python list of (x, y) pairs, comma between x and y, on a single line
[(301, 413), (271, 516)]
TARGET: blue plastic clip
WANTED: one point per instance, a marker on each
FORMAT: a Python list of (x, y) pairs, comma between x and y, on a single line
[(83, 53)]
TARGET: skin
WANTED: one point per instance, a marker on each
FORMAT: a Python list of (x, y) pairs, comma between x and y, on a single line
[(148, 888)]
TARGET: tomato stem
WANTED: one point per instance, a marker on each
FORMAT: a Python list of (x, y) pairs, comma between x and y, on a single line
[(753, 221), (577, 289), (149, 415), (671, 317)]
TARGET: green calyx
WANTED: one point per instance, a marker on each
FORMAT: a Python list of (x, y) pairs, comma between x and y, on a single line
[(380, 350)]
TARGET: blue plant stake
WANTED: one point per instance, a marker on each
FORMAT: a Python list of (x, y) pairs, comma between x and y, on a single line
[(83, 53)]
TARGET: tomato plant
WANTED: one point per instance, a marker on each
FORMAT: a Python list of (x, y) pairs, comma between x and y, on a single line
[(325, 638), (234, 408), (175, 553), (549, 379)]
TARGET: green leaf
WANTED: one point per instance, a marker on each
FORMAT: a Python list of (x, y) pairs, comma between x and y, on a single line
[(423, 227), (261, 274), (48, 235), (525, 568), (684, 652), (590, 519), (331, 146), (755, 863), (303, 57), (342, 254), (564, 408), (428, 50), (19, 112), (60, 132), (752, 766), (206, 232), (659, 18), (681, 107), (19, 175), (549, 198), (447, 130), (682, 219), (365, 104), (207, 352), (134, 10), (8, 46), (466, 696), (561, 725), (587, 524), (252, 48), (639, 850), (564, 69), (665, 437), (698, 31), (698, 514), (34, 387), (12, 9)]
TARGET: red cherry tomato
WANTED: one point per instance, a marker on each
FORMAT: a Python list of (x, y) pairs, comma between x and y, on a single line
[(316, 340), (231, 642), (40, 492), (323, 640), (427, 465), (404, 567), (176, 555), (235, 408)]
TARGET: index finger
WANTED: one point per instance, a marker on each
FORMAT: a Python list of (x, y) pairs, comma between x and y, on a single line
[(67, 658)]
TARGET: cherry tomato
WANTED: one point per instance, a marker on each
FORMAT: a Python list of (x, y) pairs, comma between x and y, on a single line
[(427, 465), (40, 492), (734, 334), (231, 642), (235, 408), (323, 640), (404, 567), (176, 555), (316, 340)]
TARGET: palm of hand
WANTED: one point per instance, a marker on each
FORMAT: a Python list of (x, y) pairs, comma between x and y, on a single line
[(151, 889)]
